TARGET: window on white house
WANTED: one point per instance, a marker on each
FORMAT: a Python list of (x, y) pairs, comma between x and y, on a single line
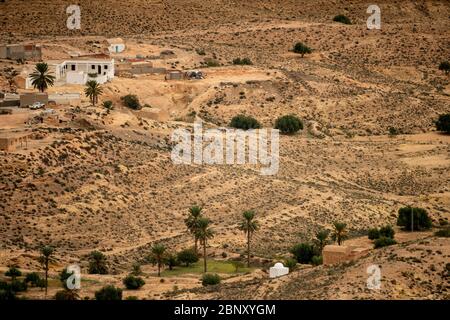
[(106, 67), (73, 67), (93, 67)]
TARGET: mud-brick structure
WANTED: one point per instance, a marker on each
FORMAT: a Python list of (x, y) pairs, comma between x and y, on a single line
[(334, 254), (11, 140)]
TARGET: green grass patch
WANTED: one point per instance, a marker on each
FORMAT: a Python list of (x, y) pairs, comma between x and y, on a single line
[(213, 266)]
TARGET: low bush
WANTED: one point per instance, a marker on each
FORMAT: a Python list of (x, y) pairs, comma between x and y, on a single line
[(374, 233), (317, 260), (383, 242), (18, 286), (131, 101), (187, 257), (109, 293), (421, 220), (210, 279), (288, 124), (445, 233), (342, 19), (242, 62), (244, 122), (301, 48), (445, 66), (108, 105), (387, 231), (67, 295), (291, 263), (13, 272), (443, 123), (303, 252), (33, 278)]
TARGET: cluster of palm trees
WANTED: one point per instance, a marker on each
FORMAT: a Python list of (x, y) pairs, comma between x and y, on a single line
[(41, 79), (199, 227)]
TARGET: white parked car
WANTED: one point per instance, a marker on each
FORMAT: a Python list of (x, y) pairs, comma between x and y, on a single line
[(37, 105)]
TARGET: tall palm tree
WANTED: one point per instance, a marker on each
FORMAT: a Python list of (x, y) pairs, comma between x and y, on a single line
[(93, 91), (322, 239), (249, 226), (41, 78), (195, 213), (158, 256), (97, 263), (45, 259), (339, 232), (203, 233)]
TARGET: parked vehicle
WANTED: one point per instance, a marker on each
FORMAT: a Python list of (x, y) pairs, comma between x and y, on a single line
[(37, 105)]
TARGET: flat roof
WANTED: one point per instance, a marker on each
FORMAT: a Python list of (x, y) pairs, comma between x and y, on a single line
[(12, 134)]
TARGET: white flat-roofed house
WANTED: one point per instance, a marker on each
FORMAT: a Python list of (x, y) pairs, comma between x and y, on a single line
[(80, 71), (72, 72)]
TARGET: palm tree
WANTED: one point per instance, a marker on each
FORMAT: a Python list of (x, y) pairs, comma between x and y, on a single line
[(41, 78), (203, 233), (93, 91), (339, 232), (45, 259), (249, 225), (195, 213), (321, 239), (158, 256), (97, 263)]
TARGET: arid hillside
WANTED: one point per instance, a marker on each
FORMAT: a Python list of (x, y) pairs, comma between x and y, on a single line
[(104, 180)]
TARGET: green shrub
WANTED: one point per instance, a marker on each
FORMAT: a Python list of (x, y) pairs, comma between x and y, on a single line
[(210, 279), (387, 231), (374, 233), (136, 269), (443, 123), (6, 293), (133, 283), (445, 232), (109, 293), (108, 105), (187, 257), (13, 272), (383, 242), (291, 263), (393, 131), (301, 48), (212, 62), (131, 298), (67, 295), (421, 220), (342, 19), (171, 261), (445, 66), (33, 278), (316, 260), (244, 122), (97, 263), (200, 52), (18, 286), (288, 124), (131, 101), (242, 62), (303, 252)]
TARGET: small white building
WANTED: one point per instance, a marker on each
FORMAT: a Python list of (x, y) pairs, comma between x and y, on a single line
[(76, 71), (116, 45), (79, 71), (278, 270)]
